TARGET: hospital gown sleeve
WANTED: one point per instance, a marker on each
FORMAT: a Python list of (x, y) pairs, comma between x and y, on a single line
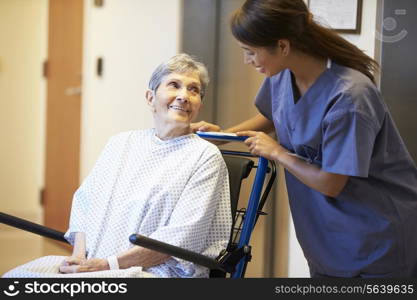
[(204, 199), (348, 141), (80, 201)]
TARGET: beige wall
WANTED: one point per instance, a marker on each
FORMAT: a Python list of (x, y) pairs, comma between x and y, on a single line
[(23, 48)]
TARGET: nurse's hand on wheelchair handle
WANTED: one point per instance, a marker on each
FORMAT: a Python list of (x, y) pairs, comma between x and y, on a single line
[(204, 126), (261, 144)]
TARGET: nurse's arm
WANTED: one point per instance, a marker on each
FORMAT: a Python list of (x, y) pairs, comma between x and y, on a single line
[(329, 184), (311, 175), (256, 123)]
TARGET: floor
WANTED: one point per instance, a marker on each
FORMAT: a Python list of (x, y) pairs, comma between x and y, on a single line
[(19, 247)]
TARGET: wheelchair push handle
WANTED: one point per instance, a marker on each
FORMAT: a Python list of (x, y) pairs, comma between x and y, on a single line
[(221, 136), (32, 227), (254, 203), (175, 251)]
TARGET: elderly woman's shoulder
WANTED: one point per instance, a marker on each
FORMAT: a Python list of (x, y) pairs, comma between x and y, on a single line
[(124, 136), (208, 146), (137, 132)]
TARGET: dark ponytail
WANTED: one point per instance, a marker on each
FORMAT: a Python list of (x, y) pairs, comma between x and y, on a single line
[(261, 23)]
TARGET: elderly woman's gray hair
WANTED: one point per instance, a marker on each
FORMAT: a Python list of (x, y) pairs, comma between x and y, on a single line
[(180, 63)]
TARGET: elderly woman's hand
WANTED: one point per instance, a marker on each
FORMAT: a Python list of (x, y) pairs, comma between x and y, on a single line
[(84, 265), (73, 260), (204, 126)]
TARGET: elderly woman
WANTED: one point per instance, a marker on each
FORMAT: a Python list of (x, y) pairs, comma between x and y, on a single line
[(164, 182)]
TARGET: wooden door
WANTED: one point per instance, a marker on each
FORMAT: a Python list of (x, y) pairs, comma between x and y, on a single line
[(63, 110)]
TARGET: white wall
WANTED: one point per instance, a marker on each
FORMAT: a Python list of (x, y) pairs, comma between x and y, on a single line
[(23, 48), (133, 37), (366, 42)]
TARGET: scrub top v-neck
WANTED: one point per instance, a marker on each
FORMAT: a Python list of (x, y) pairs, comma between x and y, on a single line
[(342, 125)]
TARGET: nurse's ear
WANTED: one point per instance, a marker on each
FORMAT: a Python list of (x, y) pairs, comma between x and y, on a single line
[(284, 46), (150, 99)]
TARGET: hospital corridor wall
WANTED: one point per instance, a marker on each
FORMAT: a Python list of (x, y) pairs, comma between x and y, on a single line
[(396, 52), (23, 48)]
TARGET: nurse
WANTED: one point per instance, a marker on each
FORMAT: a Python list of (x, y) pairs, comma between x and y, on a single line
[(351, 182)]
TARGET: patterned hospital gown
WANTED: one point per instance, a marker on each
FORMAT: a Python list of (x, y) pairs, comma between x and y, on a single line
[(175, 191)]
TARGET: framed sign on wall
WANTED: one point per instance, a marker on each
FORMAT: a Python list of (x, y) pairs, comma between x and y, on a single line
[(341, 15)]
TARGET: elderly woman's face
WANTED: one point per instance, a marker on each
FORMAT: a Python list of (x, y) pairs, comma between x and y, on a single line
[(177, 98)]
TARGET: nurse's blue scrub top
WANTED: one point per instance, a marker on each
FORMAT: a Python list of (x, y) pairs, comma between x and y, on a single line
[(342, 125)]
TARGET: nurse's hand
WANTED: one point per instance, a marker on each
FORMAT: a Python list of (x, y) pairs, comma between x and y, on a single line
[(204, 126), (261, 144)]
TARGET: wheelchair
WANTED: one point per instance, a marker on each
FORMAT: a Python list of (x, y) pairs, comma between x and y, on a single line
[(233, 260)]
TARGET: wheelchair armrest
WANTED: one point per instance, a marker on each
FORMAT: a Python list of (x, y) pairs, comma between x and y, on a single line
[(178, 252), (32, 227)]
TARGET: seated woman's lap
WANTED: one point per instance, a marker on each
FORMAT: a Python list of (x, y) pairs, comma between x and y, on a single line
[(48, 267)]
